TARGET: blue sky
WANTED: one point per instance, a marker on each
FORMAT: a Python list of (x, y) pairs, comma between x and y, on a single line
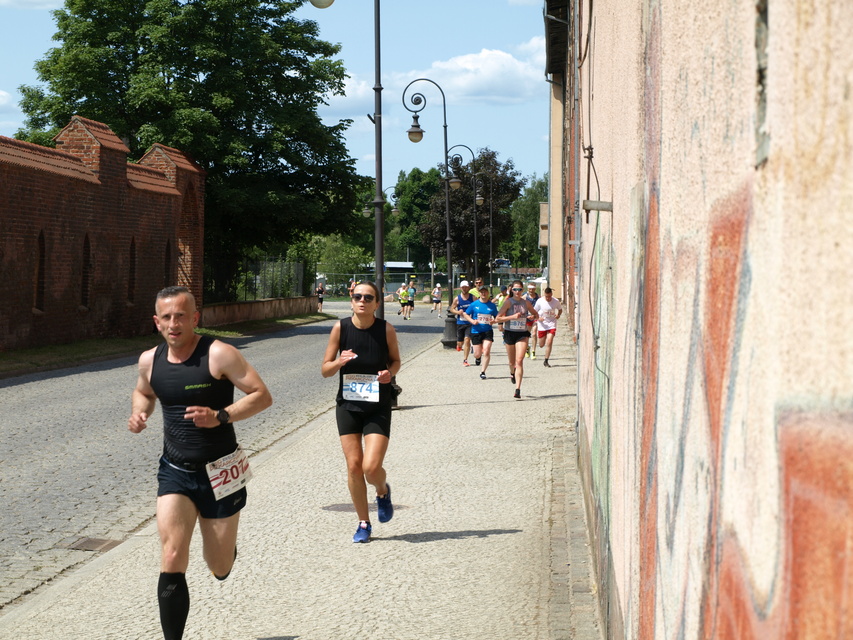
[(487, 55)]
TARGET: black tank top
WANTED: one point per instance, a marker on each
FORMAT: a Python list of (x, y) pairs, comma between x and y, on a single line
[(186, 384), (371, 345)]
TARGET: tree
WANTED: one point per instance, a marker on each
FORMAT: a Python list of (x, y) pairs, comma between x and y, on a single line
[(341, 257), (523, 245), (500, 186), (234, 83), (414, 193)]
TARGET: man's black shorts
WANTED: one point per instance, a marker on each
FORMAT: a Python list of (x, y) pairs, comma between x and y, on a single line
[(511, 337), (463, 331), (479, 338), (362, 422), (196, 486)]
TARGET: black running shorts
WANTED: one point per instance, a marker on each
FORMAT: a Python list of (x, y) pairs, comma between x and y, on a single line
[(196, 486)]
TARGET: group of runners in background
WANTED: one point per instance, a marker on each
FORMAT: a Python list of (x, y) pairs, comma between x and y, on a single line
[(515, 314)]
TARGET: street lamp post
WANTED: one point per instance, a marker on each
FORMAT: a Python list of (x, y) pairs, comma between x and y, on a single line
[(458, 183), (376, 119), (416, 134), (478, 202), (491, 235)]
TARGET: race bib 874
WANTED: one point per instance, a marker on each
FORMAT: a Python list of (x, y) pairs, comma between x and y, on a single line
[(362, 387)]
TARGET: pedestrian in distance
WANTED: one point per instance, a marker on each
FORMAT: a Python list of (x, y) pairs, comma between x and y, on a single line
[(363, 351), (549, 310), (463, 327), (203, 471), (413, 292), (436, 299), (531, 296), (481, 314), (320, 291), (499, 300), (403, 294), (515, 313)]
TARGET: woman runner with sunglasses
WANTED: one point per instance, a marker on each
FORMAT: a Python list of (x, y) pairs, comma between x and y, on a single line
[(363, 350), (514, 313)]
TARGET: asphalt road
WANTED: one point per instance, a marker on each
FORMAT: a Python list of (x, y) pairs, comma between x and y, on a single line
[(74, 476)]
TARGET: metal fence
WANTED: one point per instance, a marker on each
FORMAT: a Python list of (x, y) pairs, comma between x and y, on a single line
[(257, 279)]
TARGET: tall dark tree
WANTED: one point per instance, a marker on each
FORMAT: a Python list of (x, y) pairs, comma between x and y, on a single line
[(522, 247), (414, 193), (234, 83), (501, 185)]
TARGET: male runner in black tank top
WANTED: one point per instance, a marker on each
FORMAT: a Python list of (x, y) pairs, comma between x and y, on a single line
[(194, 378)]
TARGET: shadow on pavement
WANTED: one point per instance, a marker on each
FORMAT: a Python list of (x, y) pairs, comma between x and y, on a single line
[(434, 536)]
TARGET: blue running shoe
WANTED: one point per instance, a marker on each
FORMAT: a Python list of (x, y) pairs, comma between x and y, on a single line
[(362, 534), (384, 506)]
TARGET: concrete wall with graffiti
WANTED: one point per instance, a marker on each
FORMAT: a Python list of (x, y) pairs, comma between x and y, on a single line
[(715, 315)]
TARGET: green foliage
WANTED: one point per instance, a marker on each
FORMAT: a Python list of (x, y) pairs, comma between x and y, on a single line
[(522, 247), (340, 256), (414, 192), (500, 185), (234, 83)]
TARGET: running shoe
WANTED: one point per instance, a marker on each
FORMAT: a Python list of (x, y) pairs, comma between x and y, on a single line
[(399, 312), (362, 534), (517, 393), (465, 363), (459, 348), (384, 506), (527, 354), (533, 356), (477, 362), (512, 378), (546, 363), (482, 375)]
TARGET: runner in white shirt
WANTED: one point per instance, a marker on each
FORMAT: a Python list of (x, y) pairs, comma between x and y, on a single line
[(436, 299), (549, 310)]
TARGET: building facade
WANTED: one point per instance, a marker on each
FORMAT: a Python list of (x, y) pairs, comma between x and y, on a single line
[(702, 194), (87, 239)]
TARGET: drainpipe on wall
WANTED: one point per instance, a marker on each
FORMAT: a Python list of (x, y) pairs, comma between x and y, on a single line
[(575, 13)]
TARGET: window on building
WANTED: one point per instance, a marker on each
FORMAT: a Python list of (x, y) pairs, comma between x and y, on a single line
[(167, 265), (131, 272), (86, 279), (38, 302)]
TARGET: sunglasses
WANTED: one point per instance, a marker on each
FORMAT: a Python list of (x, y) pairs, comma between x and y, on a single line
[(368, 297), (517, 289)]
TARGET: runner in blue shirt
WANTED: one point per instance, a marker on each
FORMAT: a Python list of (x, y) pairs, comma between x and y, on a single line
[(481, 314), (463, 327)]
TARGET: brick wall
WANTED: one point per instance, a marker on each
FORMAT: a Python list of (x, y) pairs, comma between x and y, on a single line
[(87, 240)]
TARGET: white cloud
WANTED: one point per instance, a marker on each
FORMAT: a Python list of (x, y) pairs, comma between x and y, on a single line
[(490, 76), (533, 51), (7, 103)]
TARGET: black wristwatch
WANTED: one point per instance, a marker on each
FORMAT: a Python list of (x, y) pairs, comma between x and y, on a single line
[(223, 417)]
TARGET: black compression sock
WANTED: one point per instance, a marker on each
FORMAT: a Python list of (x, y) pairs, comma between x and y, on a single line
[(173, 596)]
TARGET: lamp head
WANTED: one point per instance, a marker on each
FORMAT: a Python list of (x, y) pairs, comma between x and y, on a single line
[(455, 183), (366, 211), (322, 4), (479, 199), (416, 134)]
